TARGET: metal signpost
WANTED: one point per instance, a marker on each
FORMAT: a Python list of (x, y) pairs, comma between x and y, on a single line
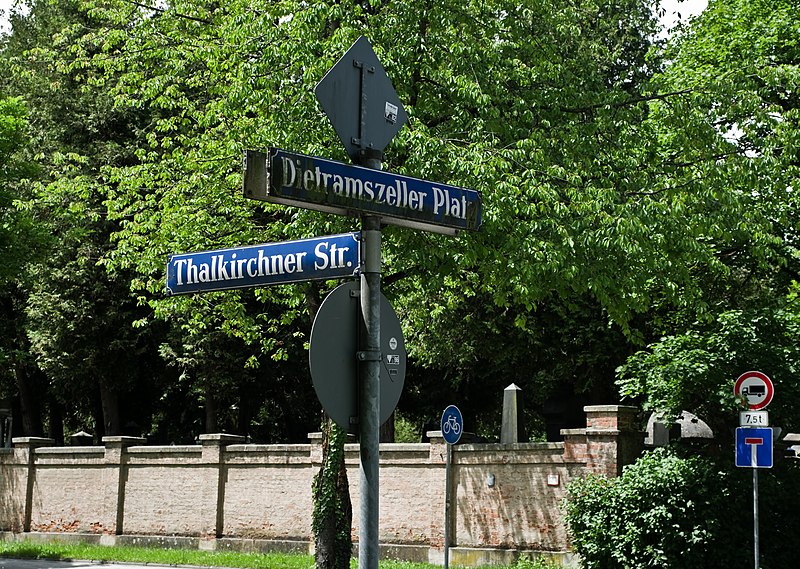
[(366, 113), (753, 437), (452, 426)]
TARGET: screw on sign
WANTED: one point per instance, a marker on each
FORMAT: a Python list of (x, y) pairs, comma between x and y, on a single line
[(754, 389)]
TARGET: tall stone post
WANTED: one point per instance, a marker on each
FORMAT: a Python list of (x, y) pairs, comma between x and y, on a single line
[(512, 429)]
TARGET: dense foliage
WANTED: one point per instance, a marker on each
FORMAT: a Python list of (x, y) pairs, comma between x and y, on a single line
[(640, 216), (670, 510)]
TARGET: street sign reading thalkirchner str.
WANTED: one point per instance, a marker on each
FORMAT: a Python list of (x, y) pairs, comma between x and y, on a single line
[(334, 187), (335, 256)]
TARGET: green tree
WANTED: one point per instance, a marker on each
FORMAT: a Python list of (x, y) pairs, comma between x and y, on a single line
[(547, 129), (75, 317), (735, 128), (676, 511), (20, 240)]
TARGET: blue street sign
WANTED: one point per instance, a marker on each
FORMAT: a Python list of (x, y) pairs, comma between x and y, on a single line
[(754, 447), (452, 425), (334, 187), (332, 257)]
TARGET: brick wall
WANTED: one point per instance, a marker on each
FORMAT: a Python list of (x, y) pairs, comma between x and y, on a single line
[(225, 494)]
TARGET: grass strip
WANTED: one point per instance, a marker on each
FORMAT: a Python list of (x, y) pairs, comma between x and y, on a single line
[(129, 554)]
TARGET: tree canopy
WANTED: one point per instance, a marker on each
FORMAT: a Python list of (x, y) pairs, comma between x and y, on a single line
[(631, 191)]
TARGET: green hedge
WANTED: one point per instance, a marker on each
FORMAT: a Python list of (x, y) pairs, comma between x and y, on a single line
[(685, 512)]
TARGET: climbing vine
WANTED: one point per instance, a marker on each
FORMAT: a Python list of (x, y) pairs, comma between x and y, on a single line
[(333, 513)]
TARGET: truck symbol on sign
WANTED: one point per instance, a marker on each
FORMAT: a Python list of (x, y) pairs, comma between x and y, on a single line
[(754, 390)]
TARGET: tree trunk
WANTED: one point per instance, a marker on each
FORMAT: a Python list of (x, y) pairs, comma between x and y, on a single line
[(29, 390), (109, 402), (387, 430), (211, 411), (55, 421), (333, 512), (332, 518)]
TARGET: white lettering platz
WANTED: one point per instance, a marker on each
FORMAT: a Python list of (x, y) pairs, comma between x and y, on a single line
[(449, 206), (329, 256)]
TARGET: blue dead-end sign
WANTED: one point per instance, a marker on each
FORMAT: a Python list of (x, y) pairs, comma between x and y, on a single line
[(754, 447), (452, 425)]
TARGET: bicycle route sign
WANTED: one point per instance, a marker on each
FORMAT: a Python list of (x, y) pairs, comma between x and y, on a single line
[(452, 425)]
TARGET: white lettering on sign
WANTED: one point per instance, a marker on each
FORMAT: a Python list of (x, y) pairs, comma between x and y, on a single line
[(329, 256), (396, 194), (450, 206), (227, 269)]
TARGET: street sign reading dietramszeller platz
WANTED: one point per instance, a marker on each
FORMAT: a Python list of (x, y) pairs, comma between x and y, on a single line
[(325, 185)]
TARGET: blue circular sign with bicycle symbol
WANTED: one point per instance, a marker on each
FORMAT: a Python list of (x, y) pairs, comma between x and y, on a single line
[(452, 425)]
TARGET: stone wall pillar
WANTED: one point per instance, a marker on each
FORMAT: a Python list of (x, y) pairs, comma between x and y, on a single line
[(212, 515), (25, 454), (115, 475), (437, 456), (610, 440)]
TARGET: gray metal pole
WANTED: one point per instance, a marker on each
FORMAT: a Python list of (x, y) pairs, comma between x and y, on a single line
[(755, 510), (447, 490), (369, 386)]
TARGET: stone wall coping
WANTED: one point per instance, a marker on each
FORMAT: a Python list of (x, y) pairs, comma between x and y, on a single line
[(609, 408), (33, 441), (317, 437), (71, 450), (165, 449), (512, 447), (118, 440), (269, 448), (222, 438)]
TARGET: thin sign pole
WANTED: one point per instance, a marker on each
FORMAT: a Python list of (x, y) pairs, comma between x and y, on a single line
[(755, 510), (447, 490), (369, 387)]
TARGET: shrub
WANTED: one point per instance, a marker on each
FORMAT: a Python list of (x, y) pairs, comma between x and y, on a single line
[(662, 512)]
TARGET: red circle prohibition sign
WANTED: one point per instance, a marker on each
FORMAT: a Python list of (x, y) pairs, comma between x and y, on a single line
[(755, 384)]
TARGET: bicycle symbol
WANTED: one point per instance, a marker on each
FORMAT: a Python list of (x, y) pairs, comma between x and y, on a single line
[(451, 424)]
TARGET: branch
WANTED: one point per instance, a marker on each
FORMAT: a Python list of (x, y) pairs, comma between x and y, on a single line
[(632, 101), (163, 11)]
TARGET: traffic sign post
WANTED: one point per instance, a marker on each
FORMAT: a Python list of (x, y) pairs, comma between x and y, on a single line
[(754, 447), (754, 439), (334, 369), (452, 426), (361, 104), (754, 389)]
